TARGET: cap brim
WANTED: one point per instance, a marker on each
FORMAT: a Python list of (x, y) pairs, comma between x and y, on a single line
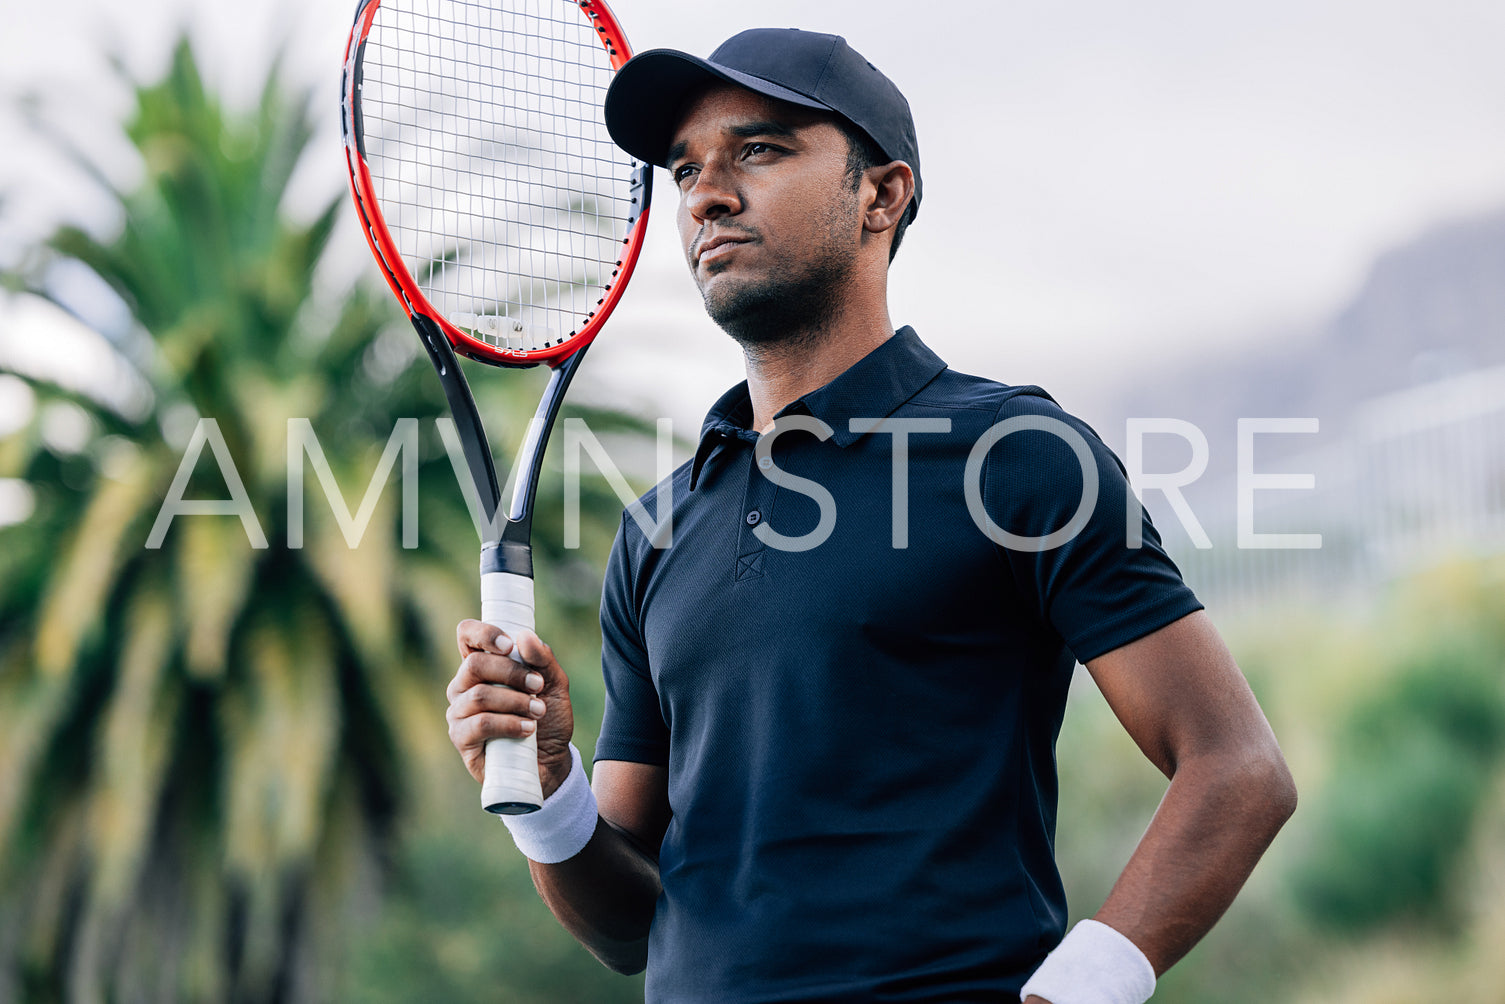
[(648, 94)]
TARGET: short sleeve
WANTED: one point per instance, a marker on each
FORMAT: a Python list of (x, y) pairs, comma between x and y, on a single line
[(632, 727), (1093, 586)]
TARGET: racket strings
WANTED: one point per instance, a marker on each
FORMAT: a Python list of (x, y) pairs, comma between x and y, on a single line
[(492, 167)]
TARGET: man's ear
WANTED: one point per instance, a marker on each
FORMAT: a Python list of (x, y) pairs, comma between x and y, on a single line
[(893, 189)]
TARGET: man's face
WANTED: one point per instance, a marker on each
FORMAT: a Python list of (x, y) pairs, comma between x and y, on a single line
[(767, 218)]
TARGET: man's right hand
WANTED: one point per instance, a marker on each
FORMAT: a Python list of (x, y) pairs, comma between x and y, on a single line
[(605, 895), (493, 696)]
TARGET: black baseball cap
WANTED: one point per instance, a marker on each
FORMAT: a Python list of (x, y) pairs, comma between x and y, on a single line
[(805, 68)]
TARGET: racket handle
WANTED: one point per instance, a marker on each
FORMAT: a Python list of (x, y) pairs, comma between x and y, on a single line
[(511, 786)]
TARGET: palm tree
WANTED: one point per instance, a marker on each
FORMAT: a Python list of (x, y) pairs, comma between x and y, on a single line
[(205, 747)]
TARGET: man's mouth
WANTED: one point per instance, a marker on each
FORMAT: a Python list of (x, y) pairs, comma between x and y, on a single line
[(715, 247)]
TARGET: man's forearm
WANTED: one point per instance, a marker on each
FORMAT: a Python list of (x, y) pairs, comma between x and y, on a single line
[(604, 896), (1216, 820)]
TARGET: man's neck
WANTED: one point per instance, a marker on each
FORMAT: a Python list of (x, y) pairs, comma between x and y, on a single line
[(784, 372)]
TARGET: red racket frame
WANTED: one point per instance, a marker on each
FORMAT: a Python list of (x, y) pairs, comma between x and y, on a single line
[(384, 248)]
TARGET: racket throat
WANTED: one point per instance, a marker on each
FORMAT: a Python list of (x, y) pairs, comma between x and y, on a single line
[(467, 418), (529, 466), (517, 527)]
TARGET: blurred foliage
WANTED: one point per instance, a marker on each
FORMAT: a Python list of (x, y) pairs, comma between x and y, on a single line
[(209, 751), (1414, 762), (463, 923)]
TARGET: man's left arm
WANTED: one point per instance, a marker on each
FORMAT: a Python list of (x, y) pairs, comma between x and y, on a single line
[(1179, 694)]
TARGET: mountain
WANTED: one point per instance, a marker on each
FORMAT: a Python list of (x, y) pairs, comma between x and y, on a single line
[(1431, 308)]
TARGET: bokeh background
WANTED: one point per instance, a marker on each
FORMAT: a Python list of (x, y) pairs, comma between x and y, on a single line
[(223, 770)]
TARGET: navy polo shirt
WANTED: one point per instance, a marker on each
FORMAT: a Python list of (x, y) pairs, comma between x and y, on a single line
[(858, 706)]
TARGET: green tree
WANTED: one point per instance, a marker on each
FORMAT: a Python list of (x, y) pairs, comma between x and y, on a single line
[(207, 748), (1415, 761)]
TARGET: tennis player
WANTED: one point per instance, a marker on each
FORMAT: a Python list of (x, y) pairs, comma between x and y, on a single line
[(826, 769)]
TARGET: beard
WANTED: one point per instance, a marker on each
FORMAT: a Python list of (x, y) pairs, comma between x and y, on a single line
[(798, 303)]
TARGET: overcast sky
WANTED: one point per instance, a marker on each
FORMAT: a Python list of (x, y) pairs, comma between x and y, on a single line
[(1108, 185)]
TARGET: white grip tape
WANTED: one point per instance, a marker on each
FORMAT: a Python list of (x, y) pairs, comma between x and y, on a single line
[(511, 785)]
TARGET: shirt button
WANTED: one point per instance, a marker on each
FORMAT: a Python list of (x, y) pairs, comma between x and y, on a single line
[(754, 517), (766, 463)]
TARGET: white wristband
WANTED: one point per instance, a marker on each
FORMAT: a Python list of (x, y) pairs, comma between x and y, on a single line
[(1093, 964), (563, 825)]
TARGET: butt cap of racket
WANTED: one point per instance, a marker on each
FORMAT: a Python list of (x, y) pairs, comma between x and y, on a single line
[(512, 786)]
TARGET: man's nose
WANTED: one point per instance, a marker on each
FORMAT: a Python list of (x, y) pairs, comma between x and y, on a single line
[(713, 194)]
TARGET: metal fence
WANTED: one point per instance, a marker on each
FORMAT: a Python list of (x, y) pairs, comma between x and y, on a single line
[(1417, 477)]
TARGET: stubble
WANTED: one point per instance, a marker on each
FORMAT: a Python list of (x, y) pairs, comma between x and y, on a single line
[(799, 300)]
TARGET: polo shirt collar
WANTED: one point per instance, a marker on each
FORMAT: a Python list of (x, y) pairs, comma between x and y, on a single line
[(873, 387)]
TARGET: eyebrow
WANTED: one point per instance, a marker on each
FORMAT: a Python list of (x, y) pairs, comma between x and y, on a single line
[(768, 128), (747, 130)]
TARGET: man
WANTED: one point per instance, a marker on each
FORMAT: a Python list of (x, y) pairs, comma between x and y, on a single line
[(826, 769)]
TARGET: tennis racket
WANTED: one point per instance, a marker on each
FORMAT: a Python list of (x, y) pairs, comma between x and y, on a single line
[(507, 223)]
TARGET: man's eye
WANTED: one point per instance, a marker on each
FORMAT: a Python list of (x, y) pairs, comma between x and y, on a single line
[(679, 174), (753, 149)]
